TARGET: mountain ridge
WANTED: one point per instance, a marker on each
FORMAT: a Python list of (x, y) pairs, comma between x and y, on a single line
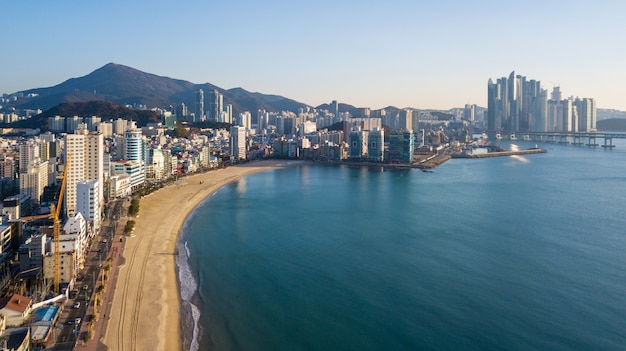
[(125, 85)]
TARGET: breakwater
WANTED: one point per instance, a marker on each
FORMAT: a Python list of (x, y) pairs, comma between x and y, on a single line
[(501, 153)]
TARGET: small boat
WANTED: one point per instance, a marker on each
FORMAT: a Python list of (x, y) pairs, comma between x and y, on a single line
[(498, 136), (513, 137)]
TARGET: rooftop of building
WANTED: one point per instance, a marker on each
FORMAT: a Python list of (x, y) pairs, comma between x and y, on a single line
[(16, 302)]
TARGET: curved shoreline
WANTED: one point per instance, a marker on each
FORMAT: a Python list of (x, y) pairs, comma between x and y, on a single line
[(145, 311)]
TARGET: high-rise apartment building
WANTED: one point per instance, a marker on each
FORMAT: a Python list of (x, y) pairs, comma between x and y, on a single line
[(119, 126), (405, 120), (285, 125), (238, 142), (262, 121), (34, 180), (156, 165), (215, 106), (334, 109), (56, 124), (71, 123), (358, 143), (586, 109), (570, 115), (86, 163), (47, 136), (469, 113), (7, 166), (182, 112), (92, 122), (227, 114), (307, 127), (245, 120), (88, 202), (29, 151), (205, 156), (376, 145), (199, 106), (509, 107), (539, 112), (136, 150), (106, 128), (401, 146), (94, 150), (516, 104), (75, 168)]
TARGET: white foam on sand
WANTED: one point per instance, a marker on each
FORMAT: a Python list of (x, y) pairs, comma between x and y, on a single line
[(190, 314)]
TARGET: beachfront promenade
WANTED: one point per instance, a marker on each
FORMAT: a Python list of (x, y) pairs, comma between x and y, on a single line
[(114, 225)]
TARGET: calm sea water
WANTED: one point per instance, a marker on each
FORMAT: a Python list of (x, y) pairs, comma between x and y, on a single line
[(514, 253)]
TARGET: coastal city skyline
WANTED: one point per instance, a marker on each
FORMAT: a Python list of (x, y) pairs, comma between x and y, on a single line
[(401, 175), (425, 56)]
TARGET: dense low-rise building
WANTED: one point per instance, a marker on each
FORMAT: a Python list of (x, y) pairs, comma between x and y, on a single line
[(15, 309), (119, 186)]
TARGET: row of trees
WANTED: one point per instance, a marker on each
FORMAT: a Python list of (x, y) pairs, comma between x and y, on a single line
[(133, 209), (98, 300)]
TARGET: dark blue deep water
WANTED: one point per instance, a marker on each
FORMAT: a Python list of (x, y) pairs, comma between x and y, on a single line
[(511, 253)]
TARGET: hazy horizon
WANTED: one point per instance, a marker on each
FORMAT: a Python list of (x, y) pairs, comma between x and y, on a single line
[(424, 55)]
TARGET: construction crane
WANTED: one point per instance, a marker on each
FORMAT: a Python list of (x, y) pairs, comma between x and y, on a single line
[(55, 213)]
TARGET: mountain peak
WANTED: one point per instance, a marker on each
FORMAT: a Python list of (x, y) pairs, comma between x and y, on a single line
[(113, 67)]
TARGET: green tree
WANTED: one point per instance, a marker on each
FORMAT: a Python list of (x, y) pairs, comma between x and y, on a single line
[(107, 268), (130, 226), (133, 209)]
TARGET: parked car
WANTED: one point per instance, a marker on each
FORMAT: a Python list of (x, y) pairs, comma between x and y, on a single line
[(77, 320), (76, 304)]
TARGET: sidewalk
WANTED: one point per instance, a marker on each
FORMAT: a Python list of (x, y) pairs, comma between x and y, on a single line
[(100, 325)]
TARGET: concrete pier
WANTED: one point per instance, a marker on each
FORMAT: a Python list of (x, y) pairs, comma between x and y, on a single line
[(502, 153)]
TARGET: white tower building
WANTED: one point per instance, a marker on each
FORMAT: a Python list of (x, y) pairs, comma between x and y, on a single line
[(33, 181), (88, 203), (87, 162), (75, 168), (238, 142), (135, 150), (29, 151)]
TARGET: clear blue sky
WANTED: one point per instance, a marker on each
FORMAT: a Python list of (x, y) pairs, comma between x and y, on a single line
[(422, 54)]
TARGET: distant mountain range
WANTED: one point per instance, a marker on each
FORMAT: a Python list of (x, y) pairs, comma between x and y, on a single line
[(125, 85), (128, 86)]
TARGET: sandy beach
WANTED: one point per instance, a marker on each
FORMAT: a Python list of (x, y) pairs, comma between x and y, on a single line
[(144, 313)]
